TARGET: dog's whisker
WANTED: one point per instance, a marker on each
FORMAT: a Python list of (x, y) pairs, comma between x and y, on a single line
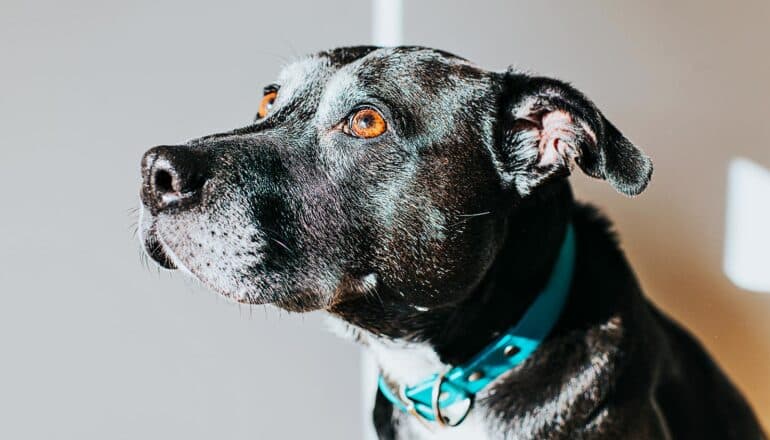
[(282, 244), (465, 218), (275, 237), (478, 214), (461, 222), (379, 296)]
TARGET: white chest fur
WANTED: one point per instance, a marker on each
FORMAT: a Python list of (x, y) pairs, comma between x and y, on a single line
[(472, 428), (408, 363), (404, 363)]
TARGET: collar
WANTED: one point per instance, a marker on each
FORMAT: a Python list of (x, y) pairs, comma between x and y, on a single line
[(459, 384)]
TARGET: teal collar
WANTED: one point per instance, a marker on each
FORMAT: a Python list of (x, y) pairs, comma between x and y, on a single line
[(427, 399)]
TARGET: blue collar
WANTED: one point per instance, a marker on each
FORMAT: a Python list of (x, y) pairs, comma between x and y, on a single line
[(427, 399)]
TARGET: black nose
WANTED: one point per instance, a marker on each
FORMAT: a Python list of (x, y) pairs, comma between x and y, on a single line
[(173, 176)]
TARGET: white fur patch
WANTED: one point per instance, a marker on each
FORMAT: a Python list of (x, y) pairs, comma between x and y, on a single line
[(473, 428), (409, 363), (295, 76)]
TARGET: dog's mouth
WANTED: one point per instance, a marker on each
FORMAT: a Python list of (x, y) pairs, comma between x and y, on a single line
[(155, 249), (224, 260), (232, 256), (150, 239)]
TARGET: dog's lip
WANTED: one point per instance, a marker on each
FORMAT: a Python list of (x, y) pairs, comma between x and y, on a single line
[(156, 251), (164, 257)]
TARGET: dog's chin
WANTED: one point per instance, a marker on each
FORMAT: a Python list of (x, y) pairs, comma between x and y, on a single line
[(301, 302)]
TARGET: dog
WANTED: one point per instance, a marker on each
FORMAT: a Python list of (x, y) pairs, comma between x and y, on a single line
[(423, 202)]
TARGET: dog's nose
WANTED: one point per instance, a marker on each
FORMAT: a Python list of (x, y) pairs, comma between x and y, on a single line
[(173, 176)]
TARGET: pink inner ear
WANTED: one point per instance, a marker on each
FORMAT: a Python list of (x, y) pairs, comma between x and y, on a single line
[(559, 138)]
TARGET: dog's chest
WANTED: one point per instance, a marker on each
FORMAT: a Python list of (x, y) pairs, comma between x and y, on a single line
[(472, 428), (409, 363)]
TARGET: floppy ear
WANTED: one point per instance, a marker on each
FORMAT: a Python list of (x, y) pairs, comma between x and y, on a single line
[(549, 125)]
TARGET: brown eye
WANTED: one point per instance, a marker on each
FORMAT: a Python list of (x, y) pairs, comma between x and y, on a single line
[(367, 123), (267, 103)]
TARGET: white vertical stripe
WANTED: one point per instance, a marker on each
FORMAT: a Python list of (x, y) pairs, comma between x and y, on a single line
[(387, 22), (387, 30), (369, 374), (747, 225)]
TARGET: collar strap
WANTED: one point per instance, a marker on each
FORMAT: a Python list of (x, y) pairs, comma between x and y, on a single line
[(461, 383)]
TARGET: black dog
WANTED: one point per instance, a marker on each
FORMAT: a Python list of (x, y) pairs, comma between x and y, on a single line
[(423, 202)]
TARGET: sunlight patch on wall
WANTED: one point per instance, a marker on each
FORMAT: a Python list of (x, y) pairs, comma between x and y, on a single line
[(747, 226)]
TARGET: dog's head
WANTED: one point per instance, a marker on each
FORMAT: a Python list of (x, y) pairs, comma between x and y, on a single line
[(372, 171)]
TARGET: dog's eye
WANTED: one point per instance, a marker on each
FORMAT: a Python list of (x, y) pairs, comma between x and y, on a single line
[(366, 123), (267, 103)]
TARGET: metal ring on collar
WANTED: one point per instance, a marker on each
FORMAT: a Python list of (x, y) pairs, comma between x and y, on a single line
[(436, 407)]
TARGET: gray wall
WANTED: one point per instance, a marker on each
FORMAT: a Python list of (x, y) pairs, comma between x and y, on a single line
[(96, 346)]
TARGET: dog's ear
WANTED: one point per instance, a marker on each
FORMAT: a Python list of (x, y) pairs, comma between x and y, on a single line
[(548, 125)]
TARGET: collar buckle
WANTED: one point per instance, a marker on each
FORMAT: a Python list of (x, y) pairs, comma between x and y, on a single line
[(411, 408)]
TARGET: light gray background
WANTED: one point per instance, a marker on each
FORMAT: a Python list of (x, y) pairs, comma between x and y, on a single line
[(93, 345)]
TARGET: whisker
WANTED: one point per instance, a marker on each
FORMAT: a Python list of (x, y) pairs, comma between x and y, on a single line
[(144, 260), (478, 214), (282, 244), (467, 217), (273, 235)]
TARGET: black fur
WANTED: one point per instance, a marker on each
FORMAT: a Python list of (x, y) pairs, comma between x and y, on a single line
[(441, 231)]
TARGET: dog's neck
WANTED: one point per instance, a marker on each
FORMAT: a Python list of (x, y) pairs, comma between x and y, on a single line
[(451, 334)]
